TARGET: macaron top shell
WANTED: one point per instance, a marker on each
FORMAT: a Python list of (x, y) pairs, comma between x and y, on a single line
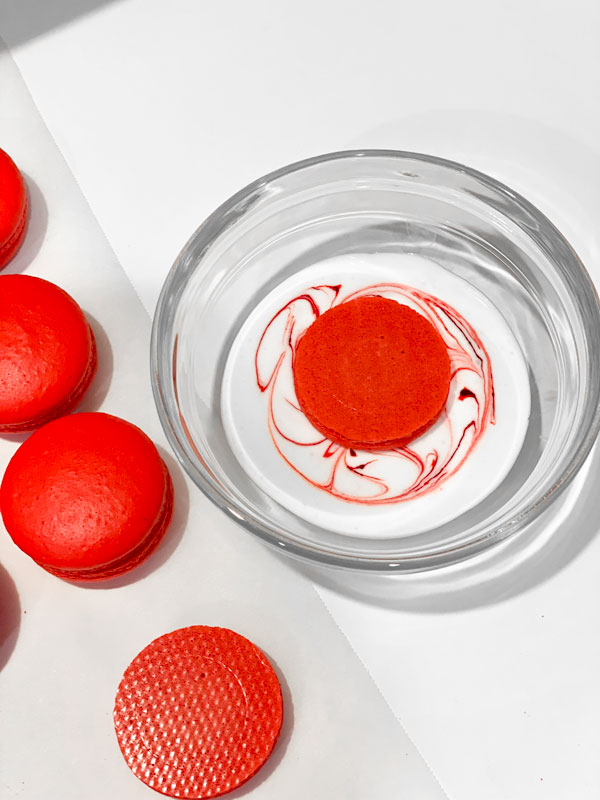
[(13, 207), (83, 492), (371, 373), (198, 712), (46, 350)]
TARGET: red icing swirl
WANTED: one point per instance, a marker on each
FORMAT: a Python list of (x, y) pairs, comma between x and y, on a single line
[(393, 475)]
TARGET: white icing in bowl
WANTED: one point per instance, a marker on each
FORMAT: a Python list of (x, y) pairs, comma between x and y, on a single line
[(264, 427)]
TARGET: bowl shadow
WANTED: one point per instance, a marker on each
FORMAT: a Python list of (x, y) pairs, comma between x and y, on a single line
[(531, 557)]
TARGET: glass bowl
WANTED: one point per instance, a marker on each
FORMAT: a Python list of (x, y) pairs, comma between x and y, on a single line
[(391, 202)]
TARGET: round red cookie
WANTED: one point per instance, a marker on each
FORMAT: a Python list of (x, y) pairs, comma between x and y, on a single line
[(198, 712), (47, 353), (371, 373), (13, 208), (88, 497)]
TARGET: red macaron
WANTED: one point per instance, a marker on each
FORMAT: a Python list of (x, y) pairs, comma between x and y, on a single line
[(14, 208), (371, 373), (87, 497), (198, 712), (47, 353)]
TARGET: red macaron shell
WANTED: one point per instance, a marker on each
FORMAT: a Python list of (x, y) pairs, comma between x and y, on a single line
[(47, 353), (87, 496), (371, 373), (13, 208), (133, 558), (198, 712)]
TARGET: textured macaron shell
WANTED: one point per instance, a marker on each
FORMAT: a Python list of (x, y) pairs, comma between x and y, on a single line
[(198, 712), (13, 208), (371, 373), (47, 352), (86, 496)]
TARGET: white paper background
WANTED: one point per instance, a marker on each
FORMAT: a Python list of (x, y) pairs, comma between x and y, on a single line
[(163, 109), (73, 644)]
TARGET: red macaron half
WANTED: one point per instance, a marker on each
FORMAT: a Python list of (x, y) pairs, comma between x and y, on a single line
[(47, 353), (371, 373), (14, 208), (198, 712), (87, 497)]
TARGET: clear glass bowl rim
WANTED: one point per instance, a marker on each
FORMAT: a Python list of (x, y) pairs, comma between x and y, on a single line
[(161, 371)]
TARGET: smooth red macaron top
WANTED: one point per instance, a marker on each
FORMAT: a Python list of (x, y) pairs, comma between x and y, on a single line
[(371, 373), (13, 208), (83, 492), (47, 352)]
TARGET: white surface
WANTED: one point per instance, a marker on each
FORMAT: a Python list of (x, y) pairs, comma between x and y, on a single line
[(72, 644), (162, 110), (260, 445)]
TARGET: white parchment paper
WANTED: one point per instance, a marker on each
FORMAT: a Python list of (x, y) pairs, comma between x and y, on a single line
[(64, 648)]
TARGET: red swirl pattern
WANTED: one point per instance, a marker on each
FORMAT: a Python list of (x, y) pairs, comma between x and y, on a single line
[(384, 477)]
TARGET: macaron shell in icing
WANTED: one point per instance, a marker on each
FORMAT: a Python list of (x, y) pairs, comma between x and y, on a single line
[(350, 491), (47, 353), (86, 495), (371, 373), (14, 208)]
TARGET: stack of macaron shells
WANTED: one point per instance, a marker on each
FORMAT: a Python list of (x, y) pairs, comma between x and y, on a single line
[(14, 208), (47, 353), (87, 495)]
